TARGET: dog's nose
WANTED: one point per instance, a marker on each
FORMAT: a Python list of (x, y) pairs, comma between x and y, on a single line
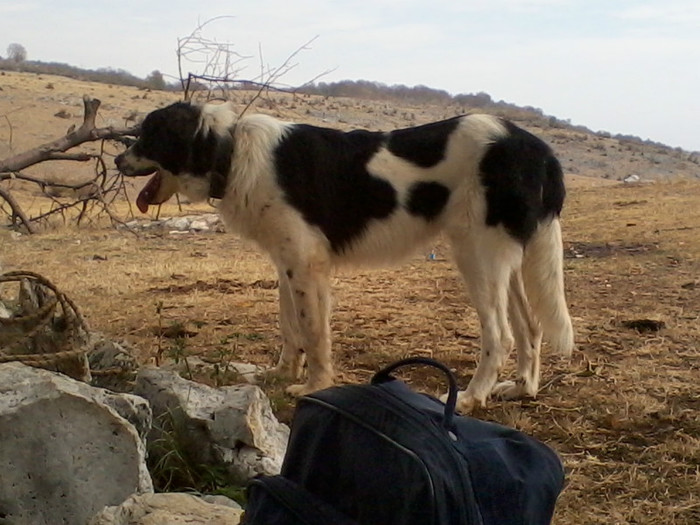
[(119, 161)]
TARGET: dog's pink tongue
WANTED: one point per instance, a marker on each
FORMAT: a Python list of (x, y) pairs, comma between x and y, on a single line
[(148, 193)]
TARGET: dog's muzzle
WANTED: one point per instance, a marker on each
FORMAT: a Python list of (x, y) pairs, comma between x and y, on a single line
[(122, 164)]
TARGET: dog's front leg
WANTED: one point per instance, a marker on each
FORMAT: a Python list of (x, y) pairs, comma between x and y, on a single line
[(291, 359), (311, 299)]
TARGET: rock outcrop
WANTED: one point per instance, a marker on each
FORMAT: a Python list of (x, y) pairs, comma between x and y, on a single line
[(167, 509), (231, 426), (67, 449)]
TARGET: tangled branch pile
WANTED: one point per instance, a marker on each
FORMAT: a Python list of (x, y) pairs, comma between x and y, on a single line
[(100, 191)]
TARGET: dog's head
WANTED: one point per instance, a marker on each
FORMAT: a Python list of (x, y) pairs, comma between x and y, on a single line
[(187, 148)]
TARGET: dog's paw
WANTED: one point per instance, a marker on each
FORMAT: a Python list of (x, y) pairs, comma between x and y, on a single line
[(307, 388), (286, 373), (466, 402), (512, 390)]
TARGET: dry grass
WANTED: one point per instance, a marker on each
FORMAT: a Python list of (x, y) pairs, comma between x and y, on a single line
[(623, 412)]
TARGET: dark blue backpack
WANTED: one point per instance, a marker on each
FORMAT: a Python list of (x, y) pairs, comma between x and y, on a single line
[(382, 454), (274, 500)]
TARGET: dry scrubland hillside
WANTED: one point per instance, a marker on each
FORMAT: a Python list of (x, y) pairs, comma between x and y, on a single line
[(37, 108), (623, 412)]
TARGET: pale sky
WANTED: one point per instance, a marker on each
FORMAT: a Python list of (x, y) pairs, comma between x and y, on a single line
[(622, 66)]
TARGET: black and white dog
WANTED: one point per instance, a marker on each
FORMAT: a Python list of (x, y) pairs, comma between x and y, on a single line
[(314, 198)]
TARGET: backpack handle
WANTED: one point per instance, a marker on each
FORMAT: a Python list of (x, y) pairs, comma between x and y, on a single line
[(384, 375)]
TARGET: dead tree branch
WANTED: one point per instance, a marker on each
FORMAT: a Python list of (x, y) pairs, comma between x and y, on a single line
[(96, 191), (56, 149), (270, 76), (43, 183), (218, 61), (17, 212), (219, 67)]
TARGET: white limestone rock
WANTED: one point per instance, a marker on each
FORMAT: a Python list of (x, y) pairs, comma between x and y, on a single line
[(231, 426), (167, 509), (65, 450)]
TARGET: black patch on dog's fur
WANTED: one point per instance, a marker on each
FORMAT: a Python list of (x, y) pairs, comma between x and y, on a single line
[(323, 173), (217, 185), (427, 199), (424, 145), (211, 153), (523, 180)]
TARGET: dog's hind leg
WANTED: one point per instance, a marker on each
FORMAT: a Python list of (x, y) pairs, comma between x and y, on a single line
[(487, 258), (543, 279), (528, 338)]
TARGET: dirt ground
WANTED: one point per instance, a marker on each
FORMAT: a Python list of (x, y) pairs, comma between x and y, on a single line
[(623, 412)]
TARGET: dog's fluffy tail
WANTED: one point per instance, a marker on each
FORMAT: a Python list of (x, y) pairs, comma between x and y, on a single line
[(543, 277)]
